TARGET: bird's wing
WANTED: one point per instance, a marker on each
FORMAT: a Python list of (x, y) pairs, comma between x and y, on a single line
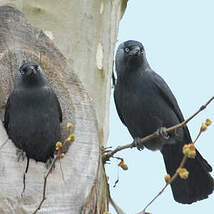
[(59, 108), (116, 97), (167, 94), (58, 104)]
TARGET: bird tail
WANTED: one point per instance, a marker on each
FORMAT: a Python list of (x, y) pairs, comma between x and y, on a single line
[(198, 185)]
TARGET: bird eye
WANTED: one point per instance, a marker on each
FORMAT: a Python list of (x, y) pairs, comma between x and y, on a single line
[(22, 71), (126, 50), (37, 68)]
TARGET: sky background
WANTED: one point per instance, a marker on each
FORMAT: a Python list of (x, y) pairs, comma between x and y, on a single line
[(178, 37)]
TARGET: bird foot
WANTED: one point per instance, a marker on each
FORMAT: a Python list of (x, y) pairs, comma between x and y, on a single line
[(162, 132), (106, 150), (21, 155), (137, 143)]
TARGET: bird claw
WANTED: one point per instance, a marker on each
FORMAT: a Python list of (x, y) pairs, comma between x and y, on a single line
[(21, 155), (162, 132), (137, 143), (106, 150)]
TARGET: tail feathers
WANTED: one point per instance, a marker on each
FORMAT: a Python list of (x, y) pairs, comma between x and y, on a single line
[(203, 161), (198, 185)]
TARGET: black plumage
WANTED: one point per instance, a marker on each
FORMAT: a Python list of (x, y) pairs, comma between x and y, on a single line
[(145, 103), (33, 114)]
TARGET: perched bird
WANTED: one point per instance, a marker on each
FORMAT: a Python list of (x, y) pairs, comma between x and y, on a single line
[(33, 114), (146, 104)]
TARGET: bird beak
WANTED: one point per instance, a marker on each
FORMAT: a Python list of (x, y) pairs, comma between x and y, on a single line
[(135, 51), (31, 71)]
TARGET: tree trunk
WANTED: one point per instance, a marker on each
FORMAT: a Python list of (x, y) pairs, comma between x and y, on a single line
[(78, 60)]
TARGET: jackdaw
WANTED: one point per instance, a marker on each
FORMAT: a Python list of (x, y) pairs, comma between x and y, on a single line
[(33, 114), (145, 103)]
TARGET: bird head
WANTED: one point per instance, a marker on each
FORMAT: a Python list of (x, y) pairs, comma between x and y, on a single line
[(32, 74), (130, 55)]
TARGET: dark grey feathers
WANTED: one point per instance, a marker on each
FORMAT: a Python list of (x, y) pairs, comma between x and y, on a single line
[(33, 114), (145, 103)]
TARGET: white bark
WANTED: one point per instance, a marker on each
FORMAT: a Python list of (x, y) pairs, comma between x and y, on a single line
[(85, 32)]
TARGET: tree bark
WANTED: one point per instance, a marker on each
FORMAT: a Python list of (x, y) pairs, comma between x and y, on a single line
[(78, 61)]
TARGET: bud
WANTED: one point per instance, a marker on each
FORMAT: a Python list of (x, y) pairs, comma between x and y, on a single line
[(69, 127), (167, 178), (208, 122), (186, 149), (71, 138), (123, 165), (192, 154), (203, 127), (62, 155), (189, 150), (58, 145), (183, 173)]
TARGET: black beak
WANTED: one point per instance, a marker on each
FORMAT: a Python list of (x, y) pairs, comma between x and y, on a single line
[(31, 71), (135, 51)]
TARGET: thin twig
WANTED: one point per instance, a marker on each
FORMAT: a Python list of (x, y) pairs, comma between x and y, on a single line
[(108, 155), (58, 156), (45, 184), (144, 210), (173, 177), (63, 178), (115, 183)]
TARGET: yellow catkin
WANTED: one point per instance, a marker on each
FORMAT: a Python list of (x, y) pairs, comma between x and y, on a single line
[(203, 127), (208, 122), (167, 178)]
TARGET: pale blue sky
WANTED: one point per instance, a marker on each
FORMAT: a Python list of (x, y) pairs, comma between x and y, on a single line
[(179, 40)]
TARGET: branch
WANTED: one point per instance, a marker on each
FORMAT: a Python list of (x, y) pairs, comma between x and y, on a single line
[(110, 154), (171, 179), (144, 210), (45, 184), (60, 147)]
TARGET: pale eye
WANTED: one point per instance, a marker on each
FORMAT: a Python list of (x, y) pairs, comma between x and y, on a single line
[(37, 68), (126, 50), (22, 71)]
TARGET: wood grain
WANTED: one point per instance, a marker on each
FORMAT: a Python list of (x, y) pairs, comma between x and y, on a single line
[(20, 41)]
